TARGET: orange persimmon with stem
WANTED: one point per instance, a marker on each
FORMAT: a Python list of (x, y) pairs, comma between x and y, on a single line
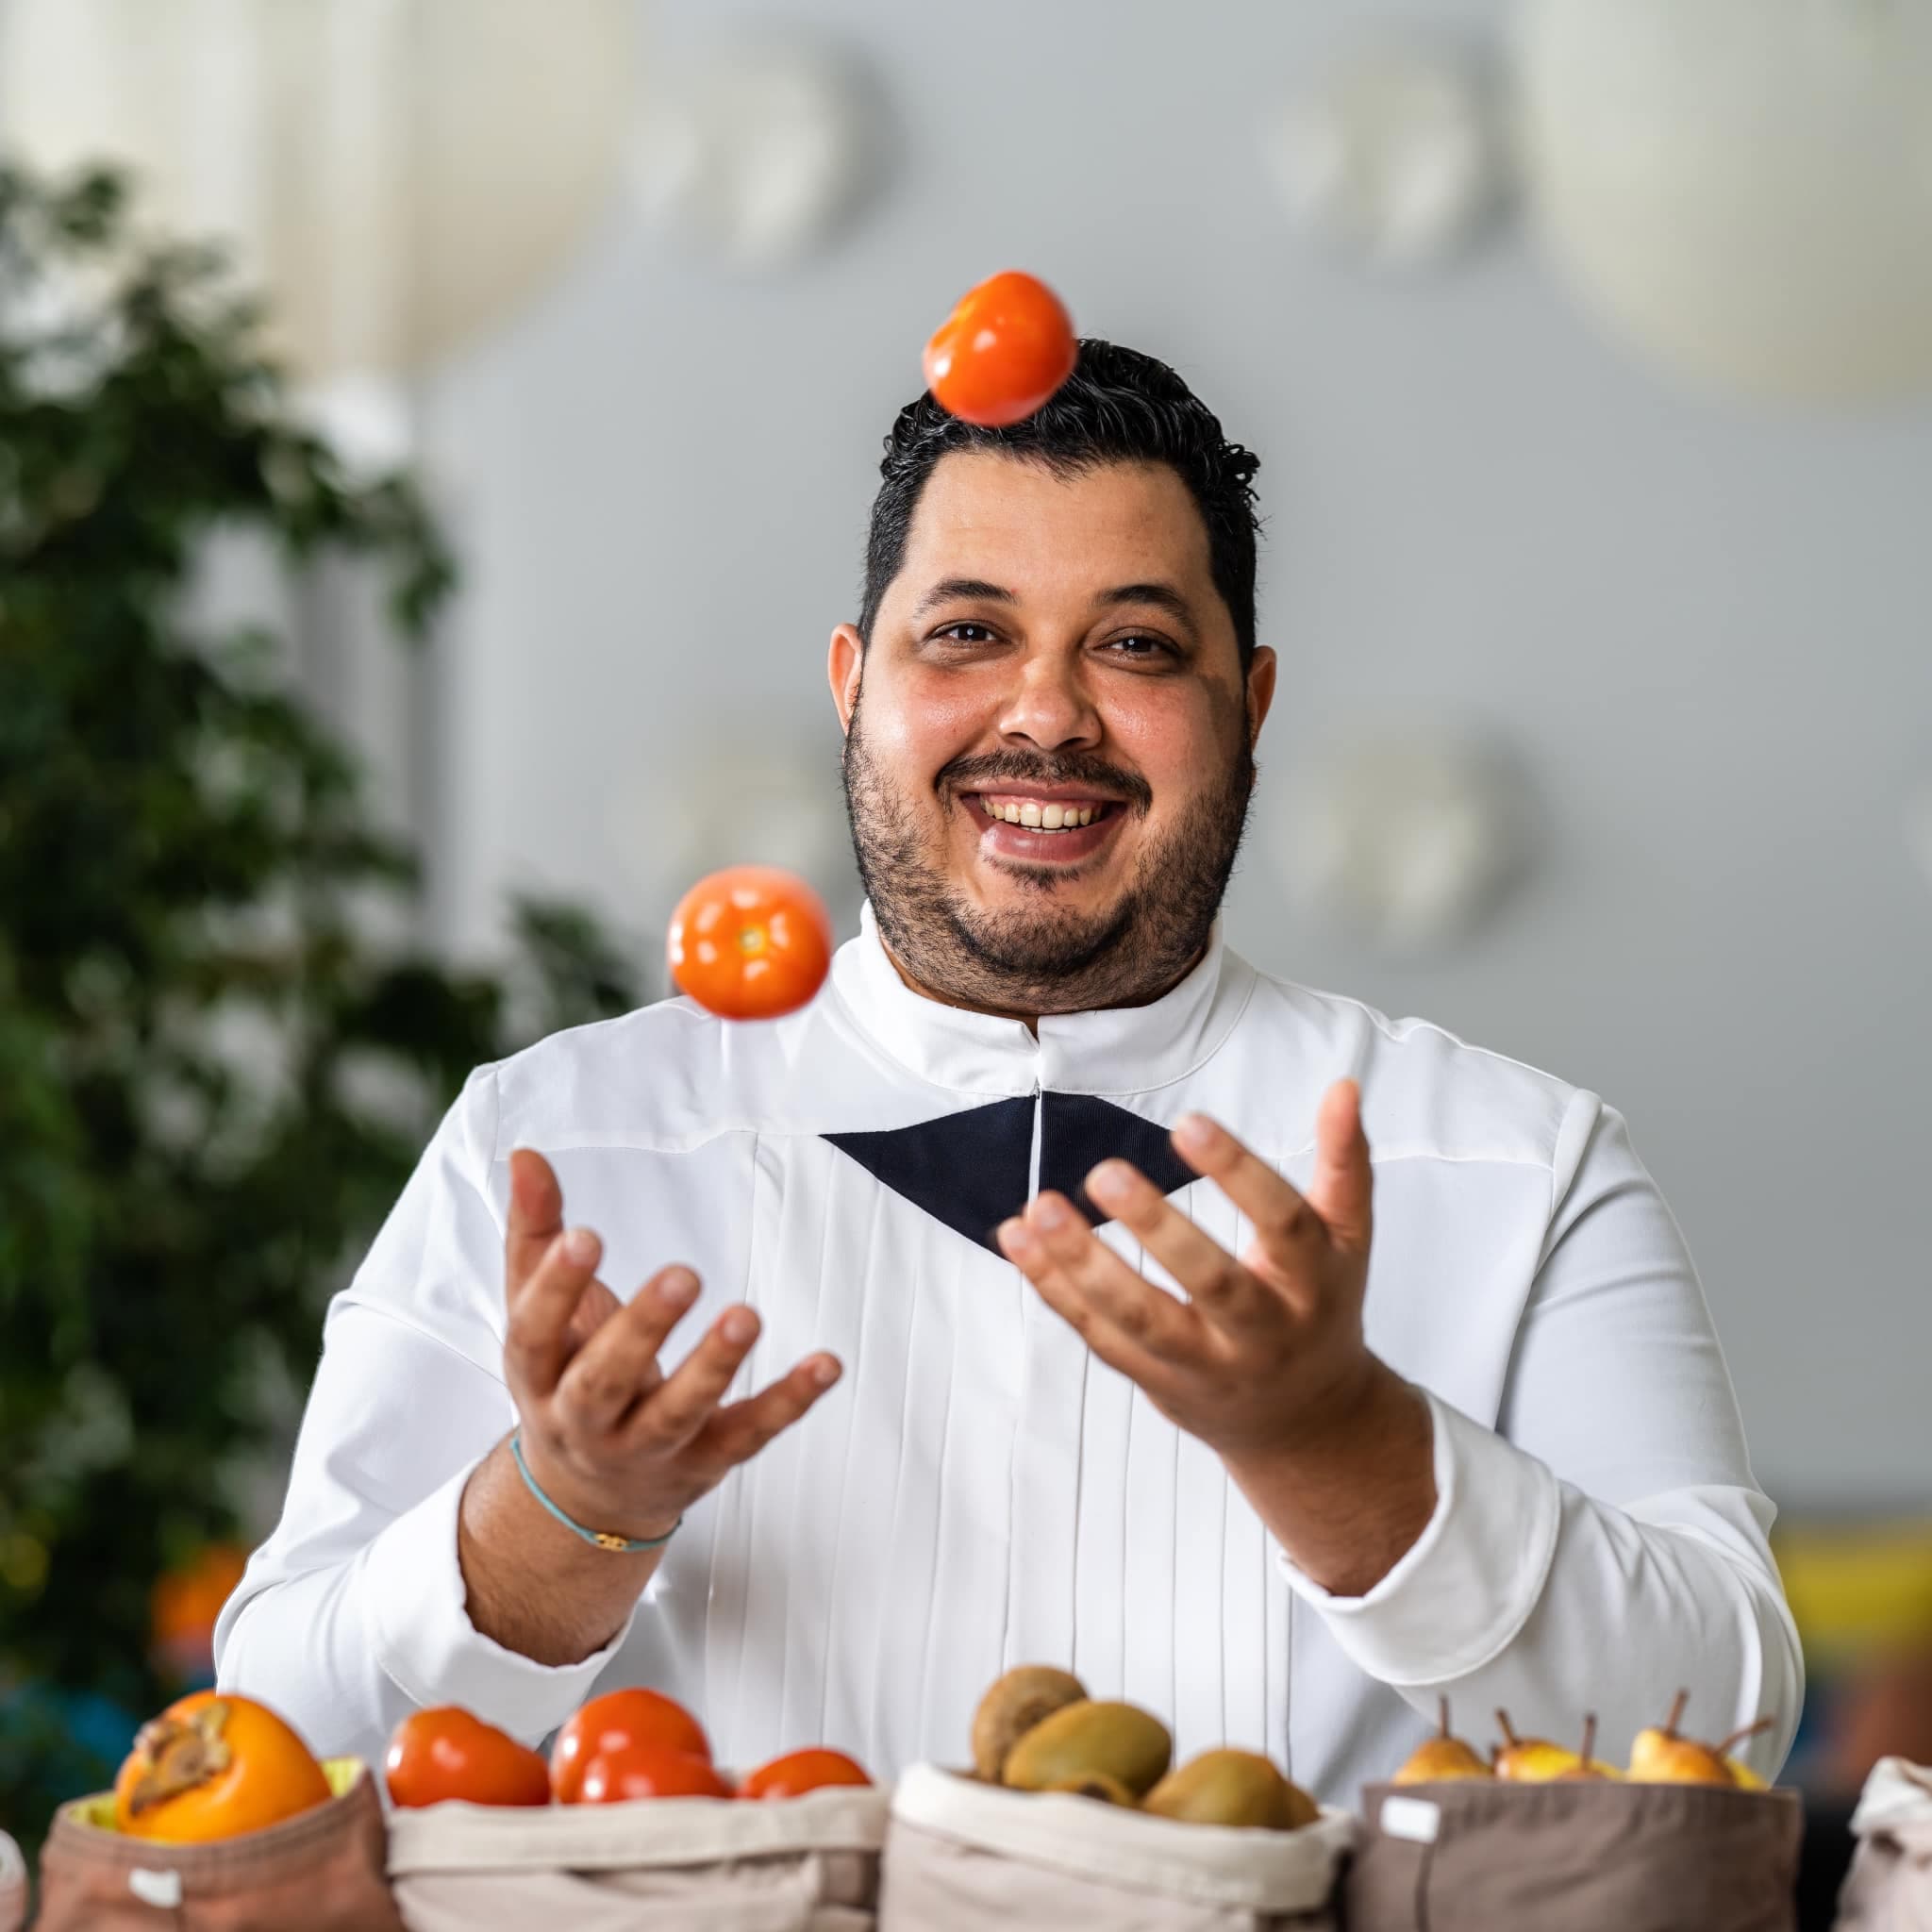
[(212, 1766)]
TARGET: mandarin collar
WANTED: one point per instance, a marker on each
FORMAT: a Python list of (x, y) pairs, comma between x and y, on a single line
[(1109, 1050)]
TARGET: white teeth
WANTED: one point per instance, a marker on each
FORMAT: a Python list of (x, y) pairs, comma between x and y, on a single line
[(1050, 818), (1085, 814), (1029, 813), (1037, 817)]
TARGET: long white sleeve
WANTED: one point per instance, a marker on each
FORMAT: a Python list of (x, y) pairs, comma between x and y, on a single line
[(1607, 1543), (352, 1614)]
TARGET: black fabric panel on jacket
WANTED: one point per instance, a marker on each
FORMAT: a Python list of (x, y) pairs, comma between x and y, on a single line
[(1077, 1131), (969, 1169)]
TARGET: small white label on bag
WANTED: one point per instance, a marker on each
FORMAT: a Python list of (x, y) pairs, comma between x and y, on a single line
[(161, 1888), (1415, 1819)]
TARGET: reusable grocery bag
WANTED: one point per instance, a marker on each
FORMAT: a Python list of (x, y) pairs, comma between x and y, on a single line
[(321, 1870), (966, 1856), (1889, 1888), (1478, 1855), (804, 1865)]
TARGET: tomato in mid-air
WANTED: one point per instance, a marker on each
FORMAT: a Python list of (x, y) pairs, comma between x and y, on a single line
[(750, 942), (450, 1753), (803, 1771), (649, 1770), (1002, 352), (212, 1766), (614, 1723)]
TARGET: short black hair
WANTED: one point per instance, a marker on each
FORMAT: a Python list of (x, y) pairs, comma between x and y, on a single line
[(1118, 406)]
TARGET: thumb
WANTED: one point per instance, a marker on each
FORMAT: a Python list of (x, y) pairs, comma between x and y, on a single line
[(1342, 1187)]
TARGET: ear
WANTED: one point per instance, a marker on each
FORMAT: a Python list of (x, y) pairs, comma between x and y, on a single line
[(843, 664), (1261, 689)]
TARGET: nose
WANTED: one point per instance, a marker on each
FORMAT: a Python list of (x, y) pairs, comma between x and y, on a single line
[(1050, 708)]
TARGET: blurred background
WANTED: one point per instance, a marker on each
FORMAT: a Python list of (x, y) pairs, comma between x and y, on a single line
[(1588, 348)]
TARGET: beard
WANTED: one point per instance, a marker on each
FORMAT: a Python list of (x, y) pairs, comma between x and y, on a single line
[(1042, 956)]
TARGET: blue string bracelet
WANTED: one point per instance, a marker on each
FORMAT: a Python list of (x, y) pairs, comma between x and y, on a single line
[(604, 1539)]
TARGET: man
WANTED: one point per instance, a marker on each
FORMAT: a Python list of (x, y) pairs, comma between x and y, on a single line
[(1133, 1381)]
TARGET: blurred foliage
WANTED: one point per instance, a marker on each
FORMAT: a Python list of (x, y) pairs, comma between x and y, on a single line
[(213, 1081)]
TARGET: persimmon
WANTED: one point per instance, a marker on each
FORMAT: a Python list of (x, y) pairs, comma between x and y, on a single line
[(799, 1772), (615, 1722), (212, 1766), (649, 1770), (750, 942), (450, 1753)]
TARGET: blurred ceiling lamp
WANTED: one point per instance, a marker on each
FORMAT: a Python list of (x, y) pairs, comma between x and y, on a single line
[(754, 156), (1405, 842), (1743, 187), (395, 174), (1396, 156)]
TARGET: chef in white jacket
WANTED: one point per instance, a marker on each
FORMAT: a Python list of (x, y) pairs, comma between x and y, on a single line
[(1055, 1288)]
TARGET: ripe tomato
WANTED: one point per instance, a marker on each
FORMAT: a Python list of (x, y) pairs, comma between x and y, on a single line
[(750, 942), (1002, 352), (803, 1771), (211, 1766), (449, 1753), (615, 1722), (649, 1770)]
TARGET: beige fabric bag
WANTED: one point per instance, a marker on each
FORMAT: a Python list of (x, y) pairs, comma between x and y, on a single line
[(1889, 1888), (963, 1857), (321, 1870), (1488, 1856), (806, 1864), (12, 1886)]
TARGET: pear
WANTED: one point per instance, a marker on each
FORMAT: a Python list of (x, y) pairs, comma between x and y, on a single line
[(1590, 1770), (1660, 1756), (1441, 1757), (1530, 1761)]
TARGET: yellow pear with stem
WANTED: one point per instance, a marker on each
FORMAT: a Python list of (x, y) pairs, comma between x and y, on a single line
[(1444, 1756), (1660, 1756), (1530, 1761), (1589, 1769)]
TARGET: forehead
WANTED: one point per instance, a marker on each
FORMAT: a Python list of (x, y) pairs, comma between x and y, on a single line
[(1017, 523)]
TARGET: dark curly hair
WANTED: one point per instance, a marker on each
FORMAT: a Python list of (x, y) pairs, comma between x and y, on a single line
[(1118, 406)]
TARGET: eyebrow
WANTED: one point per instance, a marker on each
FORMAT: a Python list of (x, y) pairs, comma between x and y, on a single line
[(977, 590)]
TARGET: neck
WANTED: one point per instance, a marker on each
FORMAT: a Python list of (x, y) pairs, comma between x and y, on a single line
[(1029, 1019)]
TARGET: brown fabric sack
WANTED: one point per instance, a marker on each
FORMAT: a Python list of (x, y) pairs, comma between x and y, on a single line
[(805, 1864), (12, 1886), (321, 1870), (964, 1856), (1485, 1857), (1889, 1888)]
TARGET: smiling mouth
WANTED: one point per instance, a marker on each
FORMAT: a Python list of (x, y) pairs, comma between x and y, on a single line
[(1038, 814), (1019, 826)]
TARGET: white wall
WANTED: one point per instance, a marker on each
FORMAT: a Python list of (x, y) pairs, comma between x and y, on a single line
[(1707, 631)]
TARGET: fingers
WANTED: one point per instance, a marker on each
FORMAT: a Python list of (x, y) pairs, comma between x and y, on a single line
[(1290, 1232), (737, 1432), (536, 1341), (1342, 1187), (1215, 1282), (1131, 1324), (535, 1218), (619, 1364), (684, 1404), (594, 1308)]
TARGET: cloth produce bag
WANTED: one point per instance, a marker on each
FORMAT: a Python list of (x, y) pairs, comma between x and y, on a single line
[(12, 1886), (1889, 1888), (1590, 1857), (964, 1856), (805, 1864), (321, 1870)]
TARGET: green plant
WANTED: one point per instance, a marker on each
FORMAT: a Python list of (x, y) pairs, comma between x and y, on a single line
[(212, 1080)]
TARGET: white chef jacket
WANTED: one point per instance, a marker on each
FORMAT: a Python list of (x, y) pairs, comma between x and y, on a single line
[(979, 1490)]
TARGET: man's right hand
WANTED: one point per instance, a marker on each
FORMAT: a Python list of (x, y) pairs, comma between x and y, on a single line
[(612, 1441)]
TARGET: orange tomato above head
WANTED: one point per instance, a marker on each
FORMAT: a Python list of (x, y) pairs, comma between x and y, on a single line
[(1002, 353), (212, 1766), (750, 942), (450, 1753), (649, 1770), (615, 1722), (803, 1771)]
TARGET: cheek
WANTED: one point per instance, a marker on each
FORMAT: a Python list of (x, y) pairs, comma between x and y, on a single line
[(926, 722), (1169, 733)]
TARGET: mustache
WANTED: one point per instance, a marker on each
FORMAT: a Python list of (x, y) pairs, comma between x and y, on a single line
[(1015, 768)]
